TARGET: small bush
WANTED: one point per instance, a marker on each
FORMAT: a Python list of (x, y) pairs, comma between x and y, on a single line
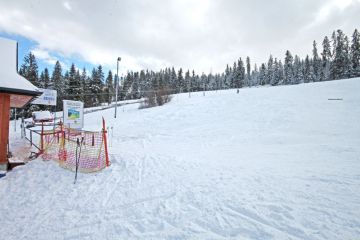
[(156, 98)]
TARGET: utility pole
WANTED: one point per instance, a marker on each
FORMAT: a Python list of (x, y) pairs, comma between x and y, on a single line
[(117, 84)]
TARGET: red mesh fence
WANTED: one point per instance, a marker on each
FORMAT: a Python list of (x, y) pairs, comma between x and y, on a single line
[(65, 145)]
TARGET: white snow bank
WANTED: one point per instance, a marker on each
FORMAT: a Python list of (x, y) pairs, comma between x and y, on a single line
[(267, 163)]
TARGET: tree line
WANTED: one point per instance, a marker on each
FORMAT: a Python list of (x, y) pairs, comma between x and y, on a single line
[(339, 59)]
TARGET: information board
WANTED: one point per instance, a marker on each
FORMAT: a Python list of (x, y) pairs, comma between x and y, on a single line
[(73, 114), (47, 98)]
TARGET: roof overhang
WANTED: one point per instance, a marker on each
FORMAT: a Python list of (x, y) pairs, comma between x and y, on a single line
[(21, 91)]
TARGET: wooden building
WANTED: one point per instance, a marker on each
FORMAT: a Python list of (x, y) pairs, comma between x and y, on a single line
[(15, 92)]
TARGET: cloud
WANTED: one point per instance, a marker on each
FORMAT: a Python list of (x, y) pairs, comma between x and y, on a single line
[(44, 55), (67, 6), (200, 34)]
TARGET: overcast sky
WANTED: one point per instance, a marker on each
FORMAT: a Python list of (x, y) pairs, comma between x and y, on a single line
[(203, 35)]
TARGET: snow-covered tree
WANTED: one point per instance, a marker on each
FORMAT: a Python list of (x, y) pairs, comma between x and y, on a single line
[(288, 68), (326, 60), (29, 69), (59, 84), (355, 54), (74, 92), (45, 79), (316, 63)]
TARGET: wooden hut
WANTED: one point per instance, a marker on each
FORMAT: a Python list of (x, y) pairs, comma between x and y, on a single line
[(15, 91)]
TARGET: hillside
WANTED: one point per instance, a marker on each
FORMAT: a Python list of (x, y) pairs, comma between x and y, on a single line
[(267, 163)]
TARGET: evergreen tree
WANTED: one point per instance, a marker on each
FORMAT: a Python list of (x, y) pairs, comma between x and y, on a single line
[(59, 84), (85, 88), (135, 93), (227, 80), (173, 79), (288, 68), (309, 74), (248, 72), (262, 74), (326, 60), (316, 63), (187, 80), (144, 82), (29, 69), (355, 54), (298, 71), (255, 76), (234, 76), (45, 79), (347, 67), (240, 74), (270, 70), (74, 92), (96, 86), (193, 81), (180, 86), (339, 66)]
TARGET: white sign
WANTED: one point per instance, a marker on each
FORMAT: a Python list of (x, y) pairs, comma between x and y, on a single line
[(47, 98), (73, 114)]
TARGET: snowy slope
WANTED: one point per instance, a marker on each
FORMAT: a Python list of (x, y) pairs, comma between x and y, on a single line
[(267, 163)]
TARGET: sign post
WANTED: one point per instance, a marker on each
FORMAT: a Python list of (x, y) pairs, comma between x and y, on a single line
[(73, 114), (48, 97)]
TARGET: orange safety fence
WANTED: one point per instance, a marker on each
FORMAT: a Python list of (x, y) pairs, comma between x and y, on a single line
[(62, 144)]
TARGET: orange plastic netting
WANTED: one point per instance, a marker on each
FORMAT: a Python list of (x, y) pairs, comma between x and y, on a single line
[(66, 145)]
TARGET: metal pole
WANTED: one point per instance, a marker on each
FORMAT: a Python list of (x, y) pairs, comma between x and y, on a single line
[(117, 84)]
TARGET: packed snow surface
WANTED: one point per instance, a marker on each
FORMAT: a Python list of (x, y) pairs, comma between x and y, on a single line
[(267, 163)]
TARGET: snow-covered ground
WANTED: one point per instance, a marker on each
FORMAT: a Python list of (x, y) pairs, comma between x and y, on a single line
[(267, 163)]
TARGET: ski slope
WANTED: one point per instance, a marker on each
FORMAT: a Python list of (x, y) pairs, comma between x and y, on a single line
[(267, 163)]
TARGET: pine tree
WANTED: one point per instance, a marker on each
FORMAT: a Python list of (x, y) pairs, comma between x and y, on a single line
[(29, 69), (240, 74), (355, 54), (109, 88), (74, 92), (316, 63), (339, 66), (255, 76), (248, 72), (96, 86), (326, 60), (45, 79), (270, 70), (274, 80), (234, 76), (298, 71), (187, 80), (288, 68), (144, 82), (262, 74), (309, 74), (59, 85), (180, 81), (173, 79), (193, 82), (347, 66), (227, 80), (85, 88)]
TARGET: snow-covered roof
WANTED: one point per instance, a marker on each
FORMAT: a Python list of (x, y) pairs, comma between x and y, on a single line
[(10, 80), (42, 115)]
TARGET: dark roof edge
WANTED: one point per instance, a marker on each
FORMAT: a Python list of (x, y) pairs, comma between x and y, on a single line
[(20, 91)]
